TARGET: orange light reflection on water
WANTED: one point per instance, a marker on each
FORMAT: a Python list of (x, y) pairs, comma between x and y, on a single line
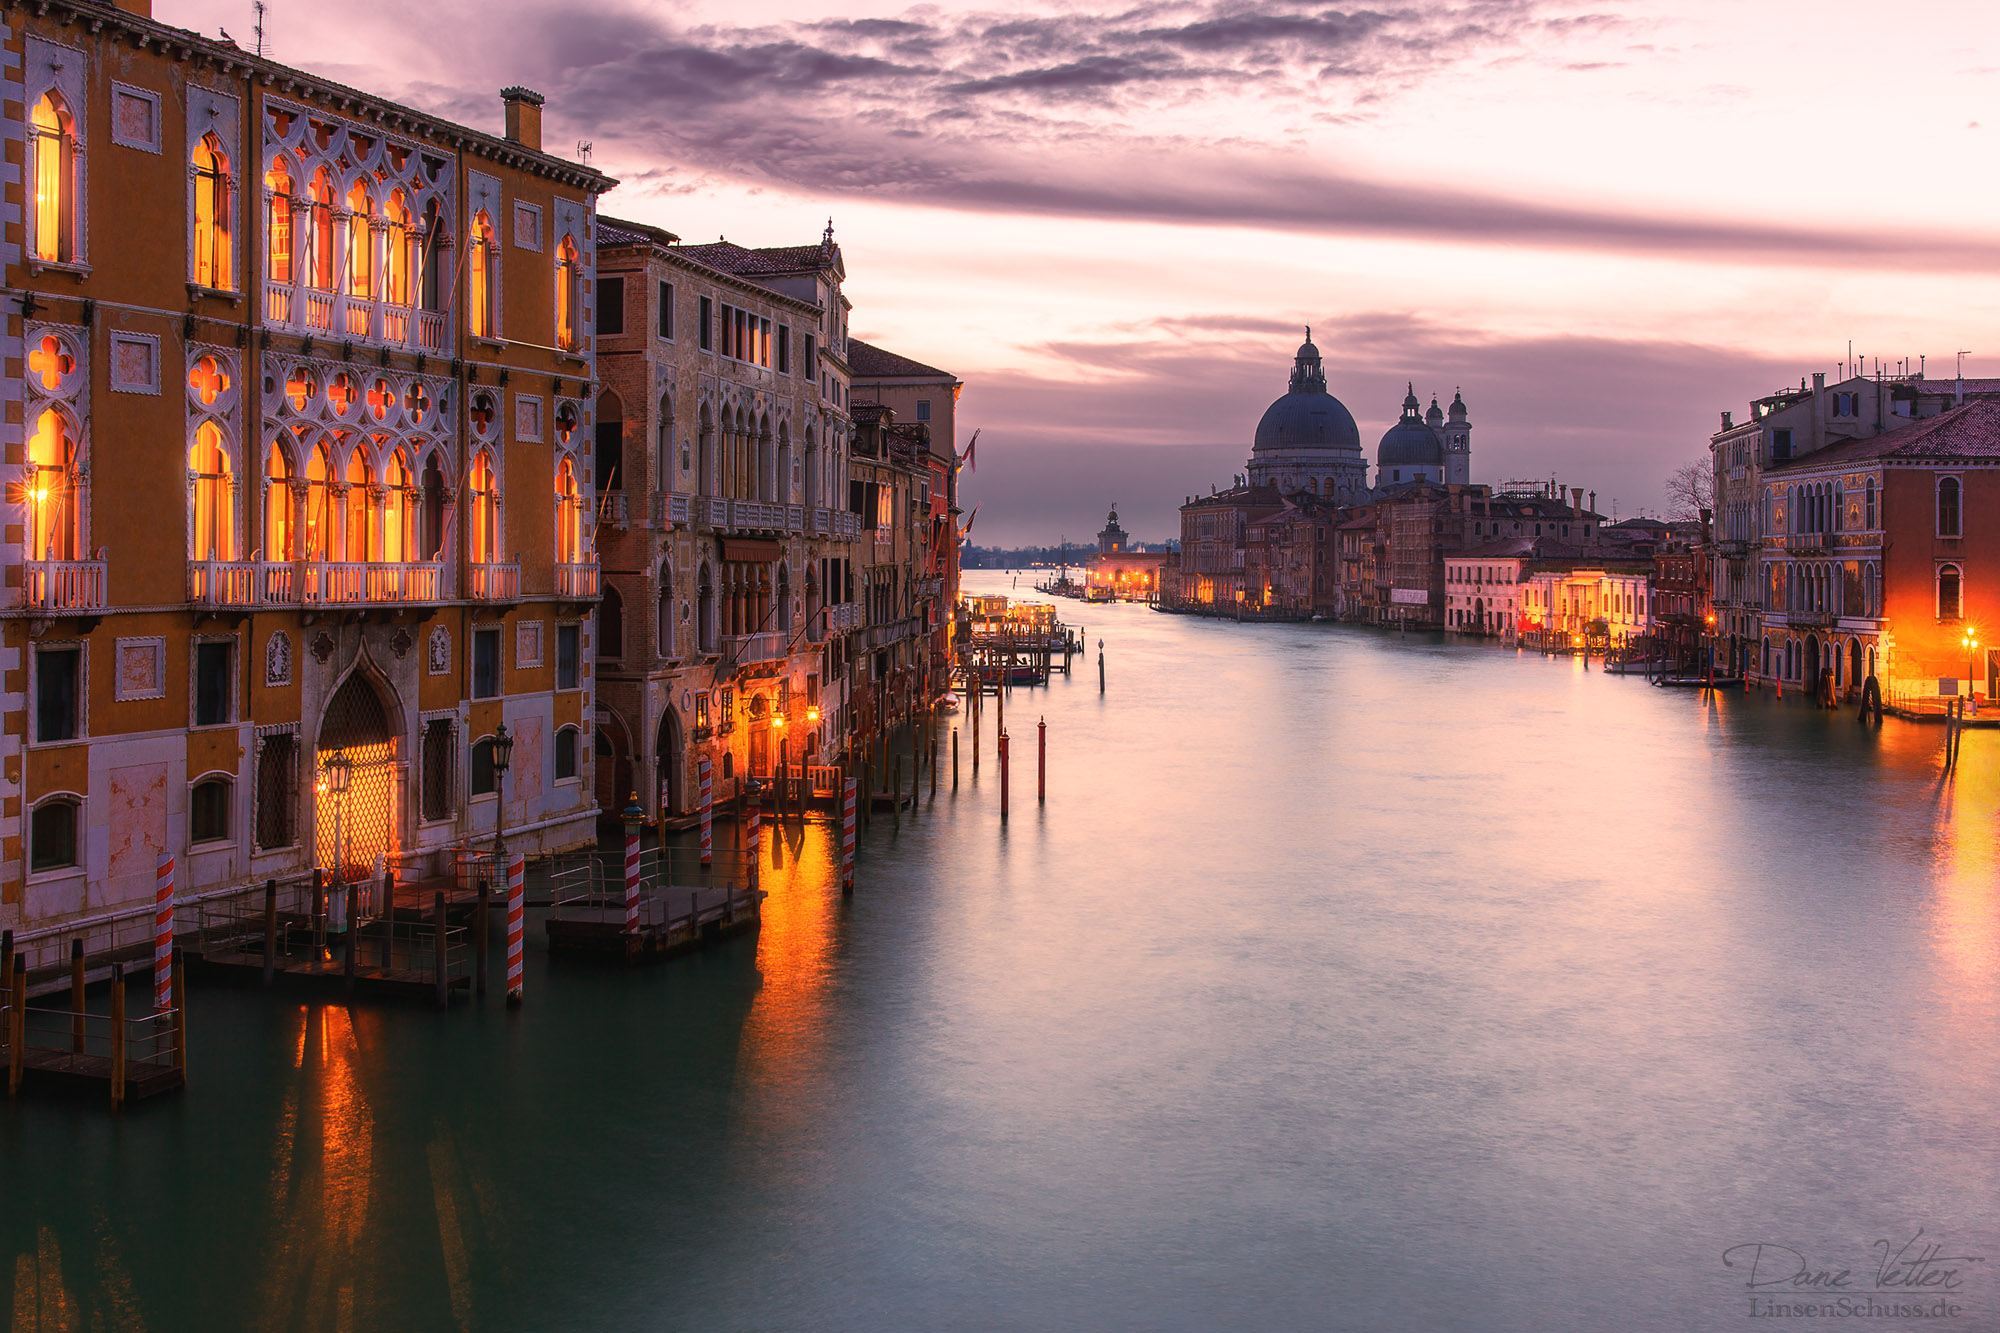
[(796, 944)]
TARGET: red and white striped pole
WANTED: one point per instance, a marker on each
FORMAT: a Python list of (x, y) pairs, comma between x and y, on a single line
[(517, 874), (632, 879), (163, 934), (754, 831), (847, 835), (707, 815)]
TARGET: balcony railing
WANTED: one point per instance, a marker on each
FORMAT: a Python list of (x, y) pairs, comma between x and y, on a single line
[(363, 583), (493, 583), (712, 512), (617, 509), (64, 585), (844, 617), (577, 581), (765, 647), (338, 315), (222, 582), (665, 510)]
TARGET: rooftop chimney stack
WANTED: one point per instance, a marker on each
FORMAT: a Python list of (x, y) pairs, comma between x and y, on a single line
[(524, 117)]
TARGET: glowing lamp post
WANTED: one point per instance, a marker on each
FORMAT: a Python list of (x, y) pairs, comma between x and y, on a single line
[(336, 777), (503, 758), (1970, 642)]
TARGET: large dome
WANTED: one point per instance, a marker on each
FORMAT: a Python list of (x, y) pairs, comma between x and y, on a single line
[(1308, 417)]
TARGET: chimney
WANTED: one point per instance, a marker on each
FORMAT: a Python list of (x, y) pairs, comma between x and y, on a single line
[(1725, 421), (1819, 409), (1576, 497), (524, 117)]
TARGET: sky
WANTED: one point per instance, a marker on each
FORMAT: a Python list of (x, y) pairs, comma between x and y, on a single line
[(1604, 223)]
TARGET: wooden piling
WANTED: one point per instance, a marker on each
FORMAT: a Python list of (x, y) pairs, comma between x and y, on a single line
[(954, 758), (896, 789), (270, 930), (480, 925), (931, 735), (1003, 777), (319, 914), (388, 916), (76, 995), (117, 1035), (443, 993), (180, 1015), (17, 1023), (1100, 666), (1042, 762), (347, 960)]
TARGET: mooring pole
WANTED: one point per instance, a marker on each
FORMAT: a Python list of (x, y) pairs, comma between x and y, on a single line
[(270, 930), (443, 992), (480, 928), (117, 1040), (954, 758), (1003, 777), (517, 873), (1100, 666), (76, 995), (1042, 762)]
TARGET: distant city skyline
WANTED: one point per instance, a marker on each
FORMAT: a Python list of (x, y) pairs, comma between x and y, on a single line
[(1605, 223)]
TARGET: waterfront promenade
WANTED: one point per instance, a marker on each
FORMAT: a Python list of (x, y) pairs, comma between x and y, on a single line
[(1346, 981)]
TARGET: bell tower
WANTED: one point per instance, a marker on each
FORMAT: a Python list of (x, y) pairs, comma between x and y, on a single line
[(1457, 442)]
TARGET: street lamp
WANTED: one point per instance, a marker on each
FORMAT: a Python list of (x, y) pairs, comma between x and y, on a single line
[(503, 755), (1970, 643)]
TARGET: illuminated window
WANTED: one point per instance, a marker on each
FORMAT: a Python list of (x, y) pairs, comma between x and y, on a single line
[(211, 215), (52, 834), (397, 256), (55, 180), (318, 519), (569, 515), (54, 529), (398, 488), (485, 511), (280, 209), (356, 502), (360, 242), (482, 274), (569, 294), (320, 256), (214, 519)]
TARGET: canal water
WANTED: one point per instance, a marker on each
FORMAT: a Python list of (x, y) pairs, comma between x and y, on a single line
[(1345, 981)]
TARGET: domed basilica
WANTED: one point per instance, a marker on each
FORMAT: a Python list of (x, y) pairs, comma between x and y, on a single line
[(1307, 441)]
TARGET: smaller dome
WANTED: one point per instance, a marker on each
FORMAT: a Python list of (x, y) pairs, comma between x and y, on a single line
[(1410, 404), (1436, 415), (1410, 443), (1457, 407)]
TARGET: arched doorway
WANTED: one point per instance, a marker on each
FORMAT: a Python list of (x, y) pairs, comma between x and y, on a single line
[(1853, 665), (1812, 660), (353, 827), (614, 766), (669, 762)]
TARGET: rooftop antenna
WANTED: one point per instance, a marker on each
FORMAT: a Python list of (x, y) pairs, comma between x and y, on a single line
[(583, 147), (258, 28), (1958, 399)]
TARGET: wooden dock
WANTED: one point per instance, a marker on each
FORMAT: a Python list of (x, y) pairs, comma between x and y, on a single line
[(672, 920), (76, 1050)]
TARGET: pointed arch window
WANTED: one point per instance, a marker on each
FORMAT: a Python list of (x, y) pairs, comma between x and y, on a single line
[(214, 517), (212, 228), (358, 480), (398, 488), (663, 613), (319, 519), (569, 295), (482, 274), (397, 250), (278, 531), (280, 210), (320, 255), (435, 265), (430, 545), (360, 242), (705, 611), (54, 512), (54, 150), (485, 511)]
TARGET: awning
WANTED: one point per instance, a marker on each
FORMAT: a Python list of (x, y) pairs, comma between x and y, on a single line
[(750, 550)]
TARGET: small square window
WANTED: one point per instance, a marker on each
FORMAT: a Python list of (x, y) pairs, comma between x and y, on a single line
[(486, 664), (568, 656), (923, 409)]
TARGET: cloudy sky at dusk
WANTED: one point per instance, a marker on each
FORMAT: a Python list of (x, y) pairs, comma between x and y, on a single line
[(1604, 222)]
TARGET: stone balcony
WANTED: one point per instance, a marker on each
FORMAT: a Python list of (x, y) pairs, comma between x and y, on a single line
[(577, 581), (65, 585), (493, 582), (297, 308), (739, 649)]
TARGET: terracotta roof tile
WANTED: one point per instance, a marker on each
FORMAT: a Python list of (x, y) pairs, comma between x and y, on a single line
[(865, 361), (1971, 431)]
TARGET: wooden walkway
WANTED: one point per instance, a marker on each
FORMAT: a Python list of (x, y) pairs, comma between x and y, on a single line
[(52, 1069), (329, 974)]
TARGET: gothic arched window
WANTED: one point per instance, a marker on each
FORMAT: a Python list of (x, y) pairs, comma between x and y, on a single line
[(214, 525), (360, 242), (279, 209), (481, 274), (485, 511), (55, 521), (54, 150), (211, 215), (569, 295)]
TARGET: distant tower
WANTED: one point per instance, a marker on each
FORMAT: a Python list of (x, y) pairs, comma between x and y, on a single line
[(1113, 540), (1457, 442)]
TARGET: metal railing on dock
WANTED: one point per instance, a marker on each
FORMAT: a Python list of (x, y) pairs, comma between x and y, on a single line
[(72, 1047)]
